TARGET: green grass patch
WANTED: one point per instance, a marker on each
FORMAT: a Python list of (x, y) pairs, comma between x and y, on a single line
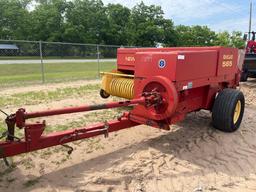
[(47, 58), (35, 97), (20, 74), (2, 127)]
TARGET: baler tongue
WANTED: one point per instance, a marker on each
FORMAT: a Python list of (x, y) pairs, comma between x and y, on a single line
[(33, 133)]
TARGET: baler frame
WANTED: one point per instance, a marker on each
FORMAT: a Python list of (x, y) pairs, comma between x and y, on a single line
[(160, 96)]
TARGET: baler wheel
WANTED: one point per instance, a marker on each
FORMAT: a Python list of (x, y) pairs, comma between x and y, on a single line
[(228, 110), (104, 94)]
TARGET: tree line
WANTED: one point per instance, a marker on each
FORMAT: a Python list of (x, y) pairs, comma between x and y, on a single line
[(90, 21)]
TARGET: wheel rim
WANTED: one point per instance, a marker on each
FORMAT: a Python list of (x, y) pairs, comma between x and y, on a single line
[(237, 112)]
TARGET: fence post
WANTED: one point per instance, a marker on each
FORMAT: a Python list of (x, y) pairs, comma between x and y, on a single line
[(98, 60), (42, 62)]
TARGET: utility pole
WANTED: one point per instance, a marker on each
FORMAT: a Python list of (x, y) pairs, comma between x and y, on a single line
[(250, 21)]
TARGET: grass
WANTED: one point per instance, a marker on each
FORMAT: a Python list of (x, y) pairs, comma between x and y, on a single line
[(20, 74), (2, 128), (48, 57), (88, 119), (35, 97)]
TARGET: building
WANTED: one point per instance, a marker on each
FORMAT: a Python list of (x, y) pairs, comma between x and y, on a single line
[(8, 50)]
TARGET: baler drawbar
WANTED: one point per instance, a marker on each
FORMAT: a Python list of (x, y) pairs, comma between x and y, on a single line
[(34, 138), (162, 85)]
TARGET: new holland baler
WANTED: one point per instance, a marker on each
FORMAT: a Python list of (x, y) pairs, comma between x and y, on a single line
[(161, 84)]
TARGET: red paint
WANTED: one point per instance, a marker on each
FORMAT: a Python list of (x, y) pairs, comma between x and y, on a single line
[(34, 140), (191, 77), (251, 47)]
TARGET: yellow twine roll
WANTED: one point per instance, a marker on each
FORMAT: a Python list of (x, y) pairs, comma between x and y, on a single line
[(118, 86)]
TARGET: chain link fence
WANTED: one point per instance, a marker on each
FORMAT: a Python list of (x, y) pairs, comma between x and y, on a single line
[(23, 62)]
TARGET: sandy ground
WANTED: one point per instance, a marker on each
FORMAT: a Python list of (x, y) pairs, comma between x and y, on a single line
[(45, 87), (193, 156)]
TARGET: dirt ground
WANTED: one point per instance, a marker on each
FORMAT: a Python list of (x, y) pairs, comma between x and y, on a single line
[(193, 156)]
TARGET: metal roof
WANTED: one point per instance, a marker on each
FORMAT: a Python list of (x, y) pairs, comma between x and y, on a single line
[(8, 46)]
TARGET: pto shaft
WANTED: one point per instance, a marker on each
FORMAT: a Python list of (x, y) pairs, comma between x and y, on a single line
[(84, 108)]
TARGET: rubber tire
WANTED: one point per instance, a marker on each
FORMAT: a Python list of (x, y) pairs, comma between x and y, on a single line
[(224, 108), (104, 94), (244, 77)]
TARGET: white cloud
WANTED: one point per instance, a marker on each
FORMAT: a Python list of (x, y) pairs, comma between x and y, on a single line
[(241, 24)]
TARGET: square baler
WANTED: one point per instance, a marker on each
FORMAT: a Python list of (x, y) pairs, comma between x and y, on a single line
[(161, 85)]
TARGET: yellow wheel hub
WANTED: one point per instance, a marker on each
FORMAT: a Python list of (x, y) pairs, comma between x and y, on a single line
[(237, 111)]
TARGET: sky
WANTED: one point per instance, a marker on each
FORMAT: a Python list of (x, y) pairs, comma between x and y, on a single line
[(219, 15)]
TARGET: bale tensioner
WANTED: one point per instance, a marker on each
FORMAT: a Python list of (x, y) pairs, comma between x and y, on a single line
[(161, 85)]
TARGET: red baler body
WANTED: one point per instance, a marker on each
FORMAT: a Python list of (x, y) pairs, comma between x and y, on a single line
[(194, 76)]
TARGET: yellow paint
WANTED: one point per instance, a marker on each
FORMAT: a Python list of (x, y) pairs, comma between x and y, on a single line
[(116, 73), (227, 60), (228, 57), (130, 58), (227, 63), (237, 111)]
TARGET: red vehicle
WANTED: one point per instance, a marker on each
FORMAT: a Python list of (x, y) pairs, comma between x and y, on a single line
[(249, 67), (162, 86)]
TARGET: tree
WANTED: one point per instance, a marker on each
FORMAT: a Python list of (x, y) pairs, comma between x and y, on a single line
[(47, 20), (86, 22), (227, 39), (14, 19), (118, 19), (147, 26), (195, 36), (237, 40), (223, 39), (170, 35), (90, 21)]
